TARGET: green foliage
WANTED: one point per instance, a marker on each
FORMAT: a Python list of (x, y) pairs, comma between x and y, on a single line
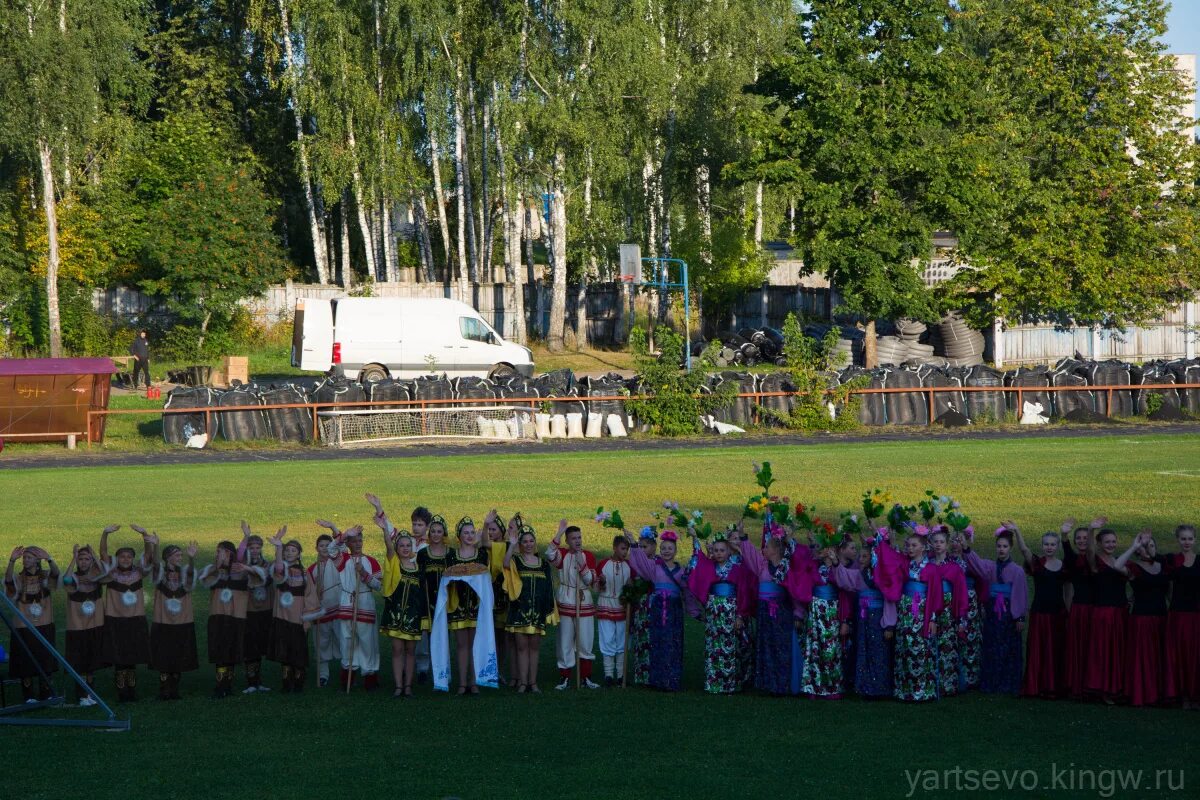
[(813, 366), (225, 252), (676, 399), (1154, 402)]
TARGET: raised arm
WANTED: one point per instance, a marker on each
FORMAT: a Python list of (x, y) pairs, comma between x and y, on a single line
[(1142, 537), (241, 548), (280, 568), (512, 536), (1026, 553), (149, 542), (104, 540), (192, 549)]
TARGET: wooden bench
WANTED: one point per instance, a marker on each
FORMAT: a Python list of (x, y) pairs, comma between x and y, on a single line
[(71, 437)]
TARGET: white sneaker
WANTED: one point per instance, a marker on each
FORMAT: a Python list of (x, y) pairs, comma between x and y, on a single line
[(587, 682), (566, 683), (250, 690), (87, 702), (264, 688), (322, 682)]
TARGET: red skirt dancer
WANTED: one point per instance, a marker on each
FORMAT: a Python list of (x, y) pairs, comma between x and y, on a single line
[(1046, 659), (1046, 647), (1079, 627), (1104, 674), (1144, 676), (1183, 656)]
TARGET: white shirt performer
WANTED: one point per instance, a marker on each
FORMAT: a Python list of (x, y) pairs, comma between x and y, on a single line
[(360, 576), (576, 631), (612, 577), (328, 581)]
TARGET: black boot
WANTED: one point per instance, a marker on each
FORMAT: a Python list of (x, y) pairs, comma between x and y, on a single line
[(131, 684), (287, 679), (175, 678), (297, 680), (224, 679), (253, 676), (27, 689), (164, 686)]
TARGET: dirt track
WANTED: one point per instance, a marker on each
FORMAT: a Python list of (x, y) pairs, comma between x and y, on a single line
[(12, 458)]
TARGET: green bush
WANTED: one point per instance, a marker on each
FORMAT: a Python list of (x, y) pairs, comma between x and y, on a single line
[(813, 367), (676, 401)]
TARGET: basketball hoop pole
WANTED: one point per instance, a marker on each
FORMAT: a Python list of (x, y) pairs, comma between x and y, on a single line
[(662, 274)]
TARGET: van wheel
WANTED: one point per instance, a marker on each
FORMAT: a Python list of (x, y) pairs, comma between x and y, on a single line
[(502, 372), (372, 373)]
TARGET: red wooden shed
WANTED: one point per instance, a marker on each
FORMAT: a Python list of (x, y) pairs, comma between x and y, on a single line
[(48, 399)]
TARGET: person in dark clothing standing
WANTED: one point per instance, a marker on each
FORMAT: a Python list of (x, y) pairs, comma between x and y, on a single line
[(140, 350)]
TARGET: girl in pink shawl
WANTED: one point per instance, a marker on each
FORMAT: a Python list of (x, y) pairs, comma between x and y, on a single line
[(913, 582), (726, 589), (1004, 616), (952, 618)]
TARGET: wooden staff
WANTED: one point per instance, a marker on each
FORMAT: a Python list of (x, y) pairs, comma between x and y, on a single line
[(578, 599), (353, 626), (625, 652)]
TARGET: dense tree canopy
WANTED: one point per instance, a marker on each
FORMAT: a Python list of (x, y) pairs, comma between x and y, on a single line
[(514, 140)]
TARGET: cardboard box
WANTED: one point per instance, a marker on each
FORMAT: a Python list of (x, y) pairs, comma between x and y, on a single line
[(237, 368)]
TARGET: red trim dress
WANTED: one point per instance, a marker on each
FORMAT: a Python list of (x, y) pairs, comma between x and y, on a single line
[(1079, 620), (1183, 630)]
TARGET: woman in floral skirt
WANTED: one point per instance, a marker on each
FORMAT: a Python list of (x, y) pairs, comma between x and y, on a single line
[(913, 575), (874, 624), (821, 675), (970, 646), (951, 618), (726, 589)]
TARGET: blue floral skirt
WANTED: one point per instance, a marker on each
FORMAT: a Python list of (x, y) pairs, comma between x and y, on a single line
[(666, 643)]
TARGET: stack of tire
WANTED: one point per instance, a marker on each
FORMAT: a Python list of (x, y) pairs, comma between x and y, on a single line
[(909, 332), (962, 344), (890, 350), (178, 428)]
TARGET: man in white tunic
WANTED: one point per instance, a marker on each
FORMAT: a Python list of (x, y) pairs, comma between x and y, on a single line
[(328, 580), (577, 613), (360, 575)]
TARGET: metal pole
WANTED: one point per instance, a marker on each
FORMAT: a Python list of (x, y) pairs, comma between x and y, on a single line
[(687, 318)]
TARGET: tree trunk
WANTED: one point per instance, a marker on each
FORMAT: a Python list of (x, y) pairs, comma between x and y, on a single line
[(464, 271), (590, 269), (390, 268), (48, 202), (758, 212), (558, 247), (870, 357), (203, 330), (512, 239), (487, 225), (421, 220), (360, 207), (704, 206), (310, 203), (439, 194), (347, 270)]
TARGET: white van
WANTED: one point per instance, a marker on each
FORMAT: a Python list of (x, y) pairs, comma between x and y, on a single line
[(372, 338)]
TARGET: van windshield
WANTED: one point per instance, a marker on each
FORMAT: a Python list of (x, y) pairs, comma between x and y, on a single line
[(474, 330)]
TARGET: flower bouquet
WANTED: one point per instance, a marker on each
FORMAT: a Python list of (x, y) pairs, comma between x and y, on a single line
[(610, 519), (874, 502)]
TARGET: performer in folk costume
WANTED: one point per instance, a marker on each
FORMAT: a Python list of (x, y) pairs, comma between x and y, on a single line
[(495, 538), (1145, 673), (612, 577), (85, 650), (1004, 616), (1080, 602), (970, 645), (670, 597), (777, 613), (726, 588), (821, 675), (951, 618), (126, 635), (1183, 621), (848, 614), (261, 601), (577, 627), (228, 582), (433, 557), (328, 584), (173, 622), (1046, 653), (914, 583), (637, 599), (1109, 625), (874, 624), (462, 606), (529, 586), (405, 611), (360, 576), (31, 590), (295, 606)]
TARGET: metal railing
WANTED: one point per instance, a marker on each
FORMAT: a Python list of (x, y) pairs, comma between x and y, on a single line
[(929, 391)]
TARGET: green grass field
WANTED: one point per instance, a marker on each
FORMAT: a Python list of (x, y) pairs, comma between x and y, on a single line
[(604, 744)]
